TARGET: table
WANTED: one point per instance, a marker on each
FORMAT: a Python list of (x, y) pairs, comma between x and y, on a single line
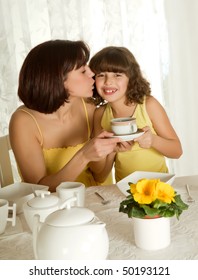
[(16, 243)]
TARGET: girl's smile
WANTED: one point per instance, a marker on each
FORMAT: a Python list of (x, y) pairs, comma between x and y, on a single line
[(109, 90), (110, 83)]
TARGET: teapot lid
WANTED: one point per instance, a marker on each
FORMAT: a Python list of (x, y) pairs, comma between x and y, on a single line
[(43, 200), (70, 217)]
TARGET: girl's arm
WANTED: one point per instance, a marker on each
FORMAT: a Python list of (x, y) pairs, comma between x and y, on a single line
[(166, 140)]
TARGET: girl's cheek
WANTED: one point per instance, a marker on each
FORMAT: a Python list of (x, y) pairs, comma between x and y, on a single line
[(97, 84)]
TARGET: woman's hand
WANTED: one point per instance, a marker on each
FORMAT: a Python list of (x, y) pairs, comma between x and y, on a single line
[(101, 146), (124, 146)]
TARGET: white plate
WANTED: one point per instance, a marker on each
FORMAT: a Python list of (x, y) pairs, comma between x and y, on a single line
[(129, 137), (137, 175), (19, 193)]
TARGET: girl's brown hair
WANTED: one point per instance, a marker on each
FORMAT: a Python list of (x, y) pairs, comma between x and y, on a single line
[(121, 60)]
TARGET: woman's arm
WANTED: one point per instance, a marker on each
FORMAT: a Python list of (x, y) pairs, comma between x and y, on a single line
[(166, 141), (102, 168), (25, 141)]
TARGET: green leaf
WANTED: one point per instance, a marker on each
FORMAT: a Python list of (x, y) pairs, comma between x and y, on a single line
[(138, 212), (158, 203), (150, 211), (129, 192), (167, 212), (180, 203)]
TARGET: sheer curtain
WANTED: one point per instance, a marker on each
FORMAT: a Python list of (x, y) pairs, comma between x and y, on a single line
[(182, 81), (137, 24)]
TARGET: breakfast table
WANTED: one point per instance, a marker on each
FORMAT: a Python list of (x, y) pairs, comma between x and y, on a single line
[(16, 242)]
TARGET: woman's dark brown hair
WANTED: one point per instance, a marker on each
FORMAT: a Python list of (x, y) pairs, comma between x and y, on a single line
[(44, 71), (121, 60)]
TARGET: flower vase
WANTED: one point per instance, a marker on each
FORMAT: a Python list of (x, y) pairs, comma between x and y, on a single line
[(151, 233)]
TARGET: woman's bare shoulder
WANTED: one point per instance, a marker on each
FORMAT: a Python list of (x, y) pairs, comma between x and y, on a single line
[(17, 114), (21, 119)]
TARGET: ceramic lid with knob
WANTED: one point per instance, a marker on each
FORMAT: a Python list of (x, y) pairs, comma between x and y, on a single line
[(43, 200), (70, 217)]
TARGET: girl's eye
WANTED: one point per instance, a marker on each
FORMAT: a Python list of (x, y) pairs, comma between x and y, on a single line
[(99, 75), (118, 74)]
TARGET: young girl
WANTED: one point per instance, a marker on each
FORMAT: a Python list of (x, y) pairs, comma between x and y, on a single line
[(51, 133), (121, 91)]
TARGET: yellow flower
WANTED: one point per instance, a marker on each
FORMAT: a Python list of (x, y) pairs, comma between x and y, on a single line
[(144, 192), (152, 198), (132, 188), (165, 192)]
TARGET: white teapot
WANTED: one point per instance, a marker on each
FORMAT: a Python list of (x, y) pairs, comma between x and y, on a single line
[(70, 233)]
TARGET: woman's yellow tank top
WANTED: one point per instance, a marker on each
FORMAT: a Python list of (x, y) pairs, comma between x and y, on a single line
[(137, 159), (57, 158)]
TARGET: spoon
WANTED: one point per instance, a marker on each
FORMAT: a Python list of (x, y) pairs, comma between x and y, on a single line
[(104, 201), (189, 199)]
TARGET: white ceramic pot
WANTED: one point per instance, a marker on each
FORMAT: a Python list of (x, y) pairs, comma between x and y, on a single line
[(73, 233), (151, 234), (43, 204)]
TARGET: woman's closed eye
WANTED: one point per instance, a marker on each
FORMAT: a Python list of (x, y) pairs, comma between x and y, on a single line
[(83, 70)]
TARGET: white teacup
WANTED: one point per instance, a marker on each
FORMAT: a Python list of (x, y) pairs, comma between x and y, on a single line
[(124, 126), (68, 190), (4, 209)]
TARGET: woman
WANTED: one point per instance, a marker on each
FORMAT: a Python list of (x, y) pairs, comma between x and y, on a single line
[(122, 91), (50, 134)]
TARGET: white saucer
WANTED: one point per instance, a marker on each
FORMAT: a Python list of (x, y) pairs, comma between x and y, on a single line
[(129, 137)]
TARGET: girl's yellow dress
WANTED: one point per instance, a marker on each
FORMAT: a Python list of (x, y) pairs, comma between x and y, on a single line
[(137, 159)]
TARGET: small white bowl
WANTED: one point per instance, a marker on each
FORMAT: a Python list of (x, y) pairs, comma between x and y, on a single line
[(20, 193)]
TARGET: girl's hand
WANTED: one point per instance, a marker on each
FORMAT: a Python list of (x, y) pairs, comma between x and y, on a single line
[(145, 141)]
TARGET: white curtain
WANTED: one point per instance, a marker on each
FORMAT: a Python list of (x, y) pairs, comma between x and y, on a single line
[(25, 23), (182, 81), (139, 25)]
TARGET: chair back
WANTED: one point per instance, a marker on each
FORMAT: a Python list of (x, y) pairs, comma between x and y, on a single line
[(6, 174)]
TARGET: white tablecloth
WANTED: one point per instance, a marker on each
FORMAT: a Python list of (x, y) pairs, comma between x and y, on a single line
[(16, 243)]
